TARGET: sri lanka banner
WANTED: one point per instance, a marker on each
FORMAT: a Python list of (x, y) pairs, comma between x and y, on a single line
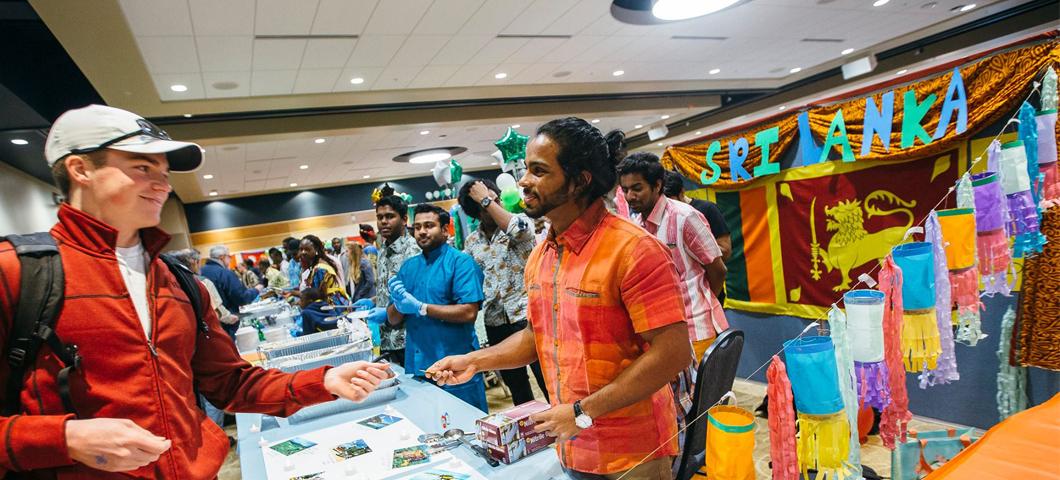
[(815, 198)]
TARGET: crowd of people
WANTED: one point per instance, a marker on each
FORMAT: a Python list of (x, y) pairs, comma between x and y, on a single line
[(609, 312)]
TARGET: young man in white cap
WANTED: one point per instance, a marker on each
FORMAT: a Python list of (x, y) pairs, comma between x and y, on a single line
[(129, 405)]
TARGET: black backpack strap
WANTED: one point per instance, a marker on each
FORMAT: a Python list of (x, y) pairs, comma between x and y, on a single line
[(187, 281), (41, 292)]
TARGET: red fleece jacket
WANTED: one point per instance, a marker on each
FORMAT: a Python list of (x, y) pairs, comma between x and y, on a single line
[(120, 377)]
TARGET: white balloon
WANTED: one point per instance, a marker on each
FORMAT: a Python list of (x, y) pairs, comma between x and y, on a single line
[(506, 181), (429, 195)]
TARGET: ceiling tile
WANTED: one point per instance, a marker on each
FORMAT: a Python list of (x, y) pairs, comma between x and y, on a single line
[(316, 81), (497, 51), (536, 48), (446, 17), (433, 76), (272, 82), (511, 69), (169, 54), (393, 18), (375, 50), (395, 77), (230, 17), (603, 48), (278, 54), (284, 17), (342, 17), (327, 52), (253, 186), (536, 73), (603, 25), (225, 79), (571, 48), (468, 75), (493, 16), (225, 54), (418, 50), (538, 16), (191, 80), (576, 19), (460, 49), (157, 17)]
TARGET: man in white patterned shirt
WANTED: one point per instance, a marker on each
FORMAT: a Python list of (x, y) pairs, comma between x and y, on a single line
[(685, 231), (501, 246), (395, 246)]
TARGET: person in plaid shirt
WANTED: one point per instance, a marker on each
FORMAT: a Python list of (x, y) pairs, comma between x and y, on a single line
[(608, 320), (395, 246)]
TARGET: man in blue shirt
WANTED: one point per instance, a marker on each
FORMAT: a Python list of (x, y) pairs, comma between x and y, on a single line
[(292, 267), (437, 296), (233, 293)]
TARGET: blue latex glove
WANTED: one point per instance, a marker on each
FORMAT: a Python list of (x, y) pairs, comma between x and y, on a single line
[(364, 304), (377, 316), (403, 301)]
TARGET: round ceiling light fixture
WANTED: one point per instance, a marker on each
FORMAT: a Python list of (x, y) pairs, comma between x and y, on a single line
[(429, 155), (178, 88), (225, 85), (19, 141), (655, 12)]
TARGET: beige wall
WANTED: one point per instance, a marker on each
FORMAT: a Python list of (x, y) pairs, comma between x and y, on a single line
[(26, 204)]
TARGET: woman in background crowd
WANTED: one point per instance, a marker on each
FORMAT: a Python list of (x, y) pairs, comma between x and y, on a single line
[(361, 275), (319, 271)]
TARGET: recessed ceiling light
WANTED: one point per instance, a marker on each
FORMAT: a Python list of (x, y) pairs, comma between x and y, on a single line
[(19, 141), (294, 184), (516, 126), (684, 9), (596, 120), (213, 193), (901, 72), (501, 76), (178, 88), (356, 80), (963, 8), (880, 3), (714, 71), (847, 51), (207, 177), (782, 107), (618, 73), (659, 144), (320, 140), (493, 163), (664, 117), (187, 115), (425, 132), (700, 132), (303, 167), (430, 157), (637, 126), (367, 176), (795, 70)]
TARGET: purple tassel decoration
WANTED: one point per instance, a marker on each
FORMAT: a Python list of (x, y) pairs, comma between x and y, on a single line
[(873, 388), (945, 370)]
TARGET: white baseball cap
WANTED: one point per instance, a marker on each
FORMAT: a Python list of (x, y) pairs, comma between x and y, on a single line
[(96, 127)]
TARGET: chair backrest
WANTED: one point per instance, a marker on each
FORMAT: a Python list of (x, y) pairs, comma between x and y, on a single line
[(714, 378)]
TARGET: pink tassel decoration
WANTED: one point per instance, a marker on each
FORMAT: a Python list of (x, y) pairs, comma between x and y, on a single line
[(895, 418), (781, 422)]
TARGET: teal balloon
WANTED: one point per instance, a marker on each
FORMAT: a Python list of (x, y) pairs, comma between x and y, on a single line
[(456, 171), (512, 146)]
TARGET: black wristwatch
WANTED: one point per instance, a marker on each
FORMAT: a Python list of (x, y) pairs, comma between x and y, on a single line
[(581, 419), (486, 202)]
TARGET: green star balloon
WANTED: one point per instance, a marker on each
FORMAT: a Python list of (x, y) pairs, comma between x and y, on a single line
[(512, 146), (456, 171)]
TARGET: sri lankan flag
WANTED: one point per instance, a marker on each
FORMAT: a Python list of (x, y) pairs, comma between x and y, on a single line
[(803, 237)]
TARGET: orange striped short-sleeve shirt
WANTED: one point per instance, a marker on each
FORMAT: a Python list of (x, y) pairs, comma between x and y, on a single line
[(591, 292)]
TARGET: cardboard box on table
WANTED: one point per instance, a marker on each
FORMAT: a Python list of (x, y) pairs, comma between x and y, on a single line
[(510, 436)]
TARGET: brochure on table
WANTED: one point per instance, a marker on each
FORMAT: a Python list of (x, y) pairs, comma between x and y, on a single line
[(377, 446)]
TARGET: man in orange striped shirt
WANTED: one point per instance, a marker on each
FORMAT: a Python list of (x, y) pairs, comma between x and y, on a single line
[(607, 316)]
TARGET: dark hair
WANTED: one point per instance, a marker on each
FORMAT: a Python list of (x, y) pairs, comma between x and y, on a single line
[(274, 251), (249, 262), (443, 216), (311, 295), (644, 163), (264, 265), (673, 184), (395, 202), (321, 253), (291, 243), (61, 175), (471, 207), (583, 148)]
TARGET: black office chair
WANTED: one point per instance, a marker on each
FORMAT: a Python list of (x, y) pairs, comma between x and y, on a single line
[(714, 379)]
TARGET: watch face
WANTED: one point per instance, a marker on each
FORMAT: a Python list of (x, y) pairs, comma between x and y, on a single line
[(583, 421)]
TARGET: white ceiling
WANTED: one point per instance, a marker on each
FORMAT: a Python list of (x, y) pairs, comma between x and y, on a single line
[(261, 167), (421, 44)]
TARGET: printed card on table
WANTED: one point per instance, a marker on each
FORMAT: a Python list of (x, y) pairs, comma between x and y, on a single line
[(407, 457), (293, 446), (379, 421), (350, 450)]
